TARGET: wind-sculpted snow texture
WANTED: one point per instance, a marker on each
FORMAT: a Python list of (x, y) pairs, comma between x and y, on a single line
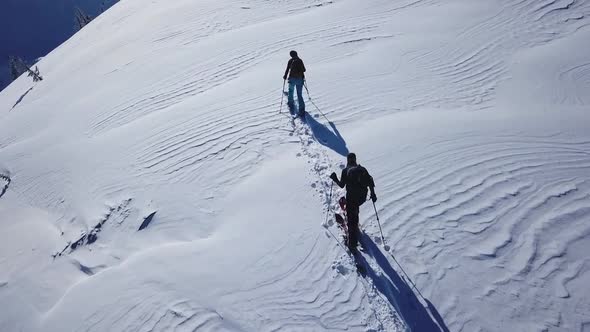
[(499, 214), (149, 182)]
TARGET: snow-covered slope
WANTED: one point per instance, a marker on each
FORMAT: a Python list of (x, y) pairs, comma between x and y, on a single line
[(471, 116)]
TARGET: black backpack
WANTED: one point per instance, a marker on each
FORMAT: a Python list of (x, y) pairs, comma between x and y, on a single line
[(297, 68), (358, 180)]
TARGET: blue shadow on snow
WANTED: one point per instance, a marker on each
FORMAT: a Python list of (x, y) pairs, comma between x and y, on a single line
[(326, 137), (400, 294), (323, 135)]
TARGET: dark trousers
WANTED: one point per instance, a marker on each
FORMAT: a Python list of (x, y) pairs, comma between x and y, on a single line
[(354, 233)]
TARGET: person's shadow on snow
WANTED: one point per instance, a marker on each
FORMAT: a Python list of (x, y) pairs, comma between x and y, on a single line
[(329, 138), (400, 294)]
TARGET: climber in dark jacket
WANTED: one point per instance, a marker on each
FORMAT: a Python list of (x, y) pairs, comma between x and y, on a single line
[(296, 73), (358, 182)]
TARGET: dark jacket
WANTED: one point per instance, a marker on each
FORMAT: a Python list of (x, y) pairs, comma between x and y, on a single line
[(295, 68), (356, 179)]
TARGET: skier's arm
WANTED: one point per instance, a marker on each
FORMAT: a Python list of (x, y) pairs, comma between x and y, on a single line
[(371, 185), (343, 178), (303, 65), (334, 178), (287, 70), (371, 182)]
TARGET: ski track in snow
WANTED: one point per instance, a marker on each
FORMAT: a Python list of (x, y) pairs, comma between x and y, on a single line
[(493, 228), (320, 163)]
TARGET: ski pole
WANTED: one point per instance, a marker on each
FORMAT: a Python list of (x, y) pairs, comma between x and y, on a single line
[(282, 96), (385, 246), (329, 202), (313, 103), (407, 277)]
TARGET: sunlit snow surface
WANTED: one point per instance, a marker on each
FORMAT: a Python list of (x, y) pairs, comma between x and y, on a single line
[(472, 117)]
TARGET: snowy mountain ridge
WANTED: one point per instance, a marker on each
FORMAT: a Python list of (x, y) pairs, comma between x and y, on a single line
[(149, 182)]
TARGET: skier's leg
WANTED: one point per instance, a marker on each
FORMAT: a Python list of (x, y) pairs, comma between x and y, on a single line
[(300, 100), (352, 212), (290, 97)]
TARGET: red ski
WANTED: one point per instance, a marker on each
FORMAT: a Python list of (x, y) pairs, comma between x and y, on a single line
[(341, 221)]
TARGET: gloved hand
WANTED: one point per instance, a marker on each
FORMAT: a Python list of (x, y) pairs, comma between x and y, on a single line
[(373, 197), (334, 177), (284, 78)]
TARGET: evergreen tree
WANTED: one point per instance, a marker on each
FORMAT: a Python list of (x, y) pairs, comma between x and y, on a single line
[(82, 19), (17, 67), (35, 74)]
